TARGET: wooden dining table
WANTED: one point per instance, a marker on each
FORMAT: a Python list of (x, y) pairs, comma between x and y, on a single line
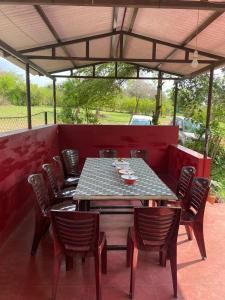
[(100, 182)]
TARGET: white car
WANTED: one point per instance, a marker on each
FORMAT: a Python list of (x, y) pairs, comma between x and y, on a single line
[(188, 129), (141, 120)]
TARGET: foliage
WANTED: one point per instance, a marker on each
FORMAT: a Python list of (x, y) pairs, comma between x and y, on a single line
[(13, 91), (82, 96), (192, 102)]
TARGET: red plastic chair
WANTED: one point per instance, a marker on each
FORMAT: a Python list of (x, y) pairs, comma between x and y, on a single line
[(184, 183), (155, 229), (70, 162), (140, 153), (108, 153), (64, 181), (57, 190), (193, 214), (185, 180), (78, 233), (42, 206)]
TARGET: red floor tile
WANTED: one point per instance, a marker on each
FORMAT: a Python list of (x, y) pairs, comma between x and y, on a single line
[(23, 277)]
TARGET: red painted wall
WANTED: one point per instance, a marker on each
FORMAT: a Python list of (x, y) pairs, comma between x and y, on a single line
[(88, 139), (21, 154), (180, 156)]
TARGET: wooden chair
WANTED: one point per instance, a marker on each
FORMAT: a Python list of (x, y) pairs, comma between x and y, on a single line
[(57, 190), (78, 233), (71, 162), (42, 206), (140, 153), (108, 153), (155, 229), (193, 214), (64, 181)]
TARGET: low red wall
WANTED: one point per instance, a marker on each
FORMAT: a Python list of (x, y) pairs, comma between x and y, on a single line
[(22, 154), (180, 156), (88, 139)]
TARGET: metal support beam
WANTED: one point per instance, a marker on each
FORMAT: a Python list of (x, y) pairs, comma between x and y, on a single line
[(54, 100), (114, 27), (29, 122), (125, 33), (172, 4), (202, 27), (208, 115), (121, 58), (50, 27), (114, 77), (175, 103), (11, 51)]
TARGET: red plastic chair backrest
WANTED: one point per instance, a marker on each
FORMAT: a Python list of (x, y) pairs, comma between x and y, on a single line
[(140, 153), (198, 196), (60, 173), (185, 181), (49, 171), (108, 153), (76, 231), (156, 227), (41, 192), (70, 161)]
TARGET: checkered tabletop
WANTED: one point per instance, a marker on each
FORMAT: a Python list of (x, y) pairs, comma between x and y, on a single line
[(100, 181)]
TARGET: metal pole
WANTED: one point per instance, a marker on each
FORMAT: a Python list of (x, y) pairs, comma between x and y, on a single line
[(54, 100), (46, 117), (208, 115), (175, 103), (29, 124)]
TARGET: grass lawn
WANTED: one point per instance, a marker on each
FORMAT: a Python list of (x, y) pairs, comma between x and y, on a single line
[(8, 123)]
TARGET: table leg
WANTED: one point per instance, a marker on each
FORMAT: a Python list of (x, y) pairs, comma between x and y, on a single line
[(84, 205)]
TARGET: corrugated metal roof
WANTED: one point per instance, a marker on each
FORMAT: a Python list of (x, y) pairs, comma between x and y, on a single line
[(22, 27)]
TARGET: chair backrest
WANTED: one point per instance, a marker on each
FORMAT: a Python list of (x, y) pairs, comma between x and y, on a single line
[(198, 196), (70, 161), (76, 231), (156, 227), (59, 165), (41, 192), (108, 153), (185, 181), (48, 168), (140, 153)]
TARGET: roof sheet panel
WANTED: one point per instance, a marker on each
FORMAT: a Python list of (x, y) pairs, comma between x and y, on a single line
[(21, 27), (168, 25), (75, 21)]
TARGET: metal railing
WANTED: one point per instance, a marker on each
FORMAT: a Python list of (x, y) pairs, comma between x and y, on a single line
[(15, 123)]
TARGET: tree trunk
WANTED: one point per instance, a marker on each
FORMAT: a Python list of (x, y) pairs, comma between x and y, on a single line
[(157, 100), (137, 105)]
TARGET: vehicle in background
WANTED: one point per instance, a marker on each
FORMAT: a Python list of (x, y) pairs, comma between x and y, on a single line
[(188, 129), (140, 120)]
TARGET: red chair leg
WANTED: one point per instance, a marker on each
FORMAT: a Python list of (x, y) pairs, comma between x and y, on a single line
[(173, 265), (128, 248), (69, 263), (56, 270), (98, 276), (41, 226), (189, 232), (134, 257), (104, 258), (198, 232)]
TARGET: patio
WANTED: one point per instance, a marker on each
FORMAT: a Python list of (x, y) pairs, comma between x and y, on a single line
[(24, 277), (57, 42)]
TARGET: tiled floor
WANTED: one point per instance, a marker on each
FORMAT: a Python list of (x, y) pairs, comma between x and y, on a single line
[(23, 277)]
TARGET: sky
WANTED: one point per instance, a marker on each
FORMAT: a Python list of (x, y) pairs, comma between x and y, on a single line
[(6, 66)]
